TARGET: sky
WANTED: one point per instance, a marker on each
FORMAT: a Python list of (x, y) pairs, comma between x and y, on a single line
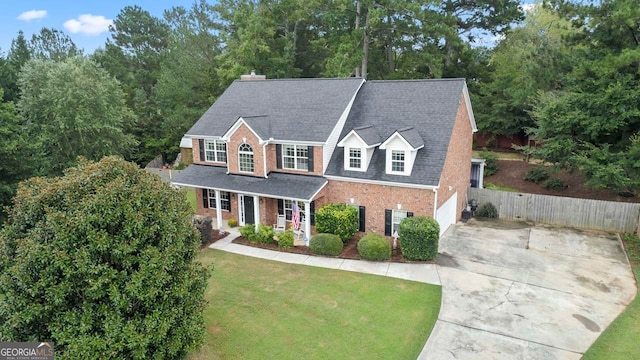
[(85, 21)]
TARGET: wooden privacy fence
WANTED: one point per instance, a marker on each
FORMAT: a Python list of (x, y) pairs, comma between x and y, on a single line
[(581, 213)]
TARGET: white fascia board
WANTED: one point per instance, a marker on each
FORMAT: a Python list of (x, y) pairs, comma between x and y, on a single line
[(467, 101), (383, 146), (236, 126), (380, 182)]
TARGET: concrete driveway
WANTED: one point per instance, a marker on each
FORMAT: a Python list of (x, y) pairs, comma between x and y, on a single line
[(515, 291)]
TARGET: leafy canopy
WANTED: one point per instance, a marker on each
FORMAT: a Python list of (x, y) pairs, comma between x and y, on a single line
[(102, 262)]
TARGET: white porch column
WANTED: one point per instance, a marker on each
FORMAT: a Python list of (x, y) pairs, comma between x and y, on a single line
[(307, 222), (218, 211), (256, 210)]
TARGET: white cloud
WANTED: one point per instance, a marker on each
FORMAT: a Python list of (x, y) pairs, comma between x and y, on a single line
[(88, 24), (527, 7), (32, 14)]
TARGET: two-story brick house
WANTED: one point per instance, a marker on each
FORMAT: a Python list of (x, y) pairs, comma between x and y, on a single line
[(391, 148)]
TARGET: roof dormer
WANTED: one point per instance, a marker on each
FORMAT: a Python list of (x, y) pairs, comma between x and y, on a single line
[(359, 145), (401, 149)]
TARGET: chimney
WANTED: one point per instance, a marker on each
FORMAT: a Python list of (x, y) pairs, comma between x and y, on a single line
[(252, 76)]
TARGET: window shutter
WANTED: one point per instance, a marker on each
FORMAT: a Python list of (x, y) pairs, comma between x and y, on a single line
[(310, 155), (280, 207), (361, 220), (409, 214), (205, 198), (201, 146), (312, 213), (279, 156), (229, 202), (387, 222)]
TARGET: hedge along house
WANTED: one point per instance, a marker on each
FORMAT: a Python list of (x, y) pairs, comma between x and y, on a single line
[(391, 148)]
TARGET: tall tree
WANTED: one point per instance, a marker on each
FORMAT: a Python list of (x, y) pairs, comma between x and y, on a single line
[(188, 83), (18, 55), (592, 123), (53, 44), (15, 152), (73, 108), (133, 55)]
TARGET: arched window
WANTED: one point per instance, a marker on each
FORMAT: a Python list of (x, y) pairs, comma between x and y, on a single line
[(245, 158)]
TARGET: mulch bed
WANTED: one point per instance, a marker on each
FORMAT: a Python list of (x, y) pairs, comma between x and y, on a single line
[(350, 250), (215, 236), (511, 174)]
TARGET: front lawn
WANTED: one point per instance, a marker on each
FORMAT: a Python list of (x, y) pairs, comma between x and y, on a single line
[(260, 309), (620, 339)]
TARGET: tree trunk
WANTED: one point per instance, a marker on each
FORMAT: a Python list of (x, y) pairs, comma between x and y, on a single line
[(358, 7), (365, 47)]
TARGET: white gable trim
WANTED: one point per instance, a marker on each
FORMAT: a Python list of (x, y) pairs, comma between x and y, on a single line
[(383, 146), (236, 126), (333, 138), (467, 101), (354, 133)]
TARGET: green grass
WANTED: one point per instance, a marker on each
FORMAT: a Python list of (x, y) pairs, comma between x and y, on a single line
[(260, 309), (191, 198), (501, 155), (620, 339), (491, 186)]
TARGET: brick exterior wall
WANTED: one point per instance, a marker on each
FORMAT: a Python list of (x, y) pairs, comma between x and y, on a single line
[(377, 198), (236, 140), (457, 166)]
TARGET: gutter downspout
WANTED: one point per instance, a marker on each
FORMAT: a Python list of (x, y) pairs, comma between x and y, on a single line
[(264, 158), (435, 202)]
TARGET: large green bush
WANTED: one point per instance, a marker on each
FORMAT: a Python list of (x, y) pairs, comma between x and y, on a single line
[(490, 162), (265, 234), (326, 244), (487, 210), (102, 261), (249, 232), (337, 219), (537, 174), (419, 238), (374, 247), (285, 239)]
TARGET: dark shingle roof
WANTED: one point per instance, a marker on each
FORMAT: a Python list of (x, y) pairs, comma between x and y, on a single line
[(427, 106), (369, 134), (412, 136), (278, 185), (293, 109)]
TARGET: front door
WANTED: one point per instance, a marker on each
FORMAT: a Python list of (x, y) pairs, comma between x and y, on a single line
[(248, 214)]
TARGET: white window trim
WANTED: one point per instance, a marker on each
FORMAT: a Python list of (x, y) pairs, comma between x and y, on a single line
[(403, 161), (211, 195), (349, 158), (244, 152), (215, 150), (395, 225), (287, 207), (295, 156)]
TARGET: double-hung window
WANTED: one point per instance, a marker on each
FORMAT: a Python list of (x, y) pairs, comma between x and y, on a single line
[(397, 217), (288, 209), (397, 160), (245, 158), (355, 158), (215, 151), (295, 157), (225, 203)]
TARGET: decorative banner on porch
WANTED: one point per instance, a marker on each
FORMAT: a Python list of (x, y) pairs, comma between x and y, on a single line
[(295, 216)]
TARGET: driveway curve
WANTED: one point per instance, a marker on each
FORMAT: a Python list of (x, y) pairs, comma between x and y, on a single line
[(512, 290)]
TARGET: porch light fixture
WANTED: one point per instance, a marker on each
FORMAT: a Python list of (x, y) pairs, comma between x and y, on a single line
[(399, 206), (352, 201)]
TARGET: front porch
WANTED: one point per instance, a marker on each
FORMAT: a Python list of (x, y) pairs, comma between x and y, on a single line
[(254, 200)]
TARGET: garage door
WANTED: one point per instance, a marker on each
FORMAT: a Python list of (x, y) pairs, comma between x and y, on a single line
[(446, 214)]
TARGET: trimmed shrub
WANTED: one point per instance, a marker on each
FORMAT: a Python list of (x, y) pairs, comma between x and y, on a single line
[(249, 232), (337, 219), (490, 162), (232, 223), (555, 184), (374, 247), (265, 234), (537, 174), (419, 238), (326, 244), (285, 239), (487, 210)]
